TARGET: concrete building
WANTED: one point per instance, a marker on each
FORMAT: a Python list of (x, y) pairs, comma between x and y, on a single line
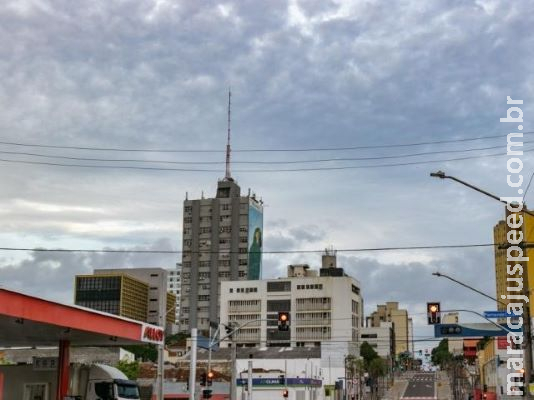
[(222, 240), (137, 293), (390, 312), (381, 338), (325, 309), (81, 355), (174, 286), (159, 300), (456, 346), (118, 294)]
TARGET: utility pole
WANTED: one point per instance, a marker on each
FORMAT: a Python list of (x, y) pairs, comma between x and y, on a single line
[(193, 364), (249, 383), (233, 384), (527, 329)]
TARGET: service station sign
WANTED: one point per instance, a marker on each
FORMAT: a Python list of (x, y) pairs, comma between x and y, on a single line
[(152, 334)]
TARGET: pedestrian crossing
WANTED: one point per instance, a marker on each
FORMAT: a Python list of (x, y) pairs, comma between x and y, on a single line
[(419, 398)]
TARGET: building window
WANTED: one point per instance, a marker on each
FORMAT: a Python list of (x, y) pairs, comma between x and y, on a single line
[(284, 286)]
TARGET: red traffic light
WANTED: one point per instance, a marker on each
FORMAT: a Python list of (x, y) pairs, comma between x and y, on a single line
[(283, 321), (285, 393), (433, 311)]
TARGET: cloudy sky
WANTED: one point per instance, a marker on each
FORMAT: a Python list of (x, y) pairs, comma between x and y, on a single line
[(154, 75)]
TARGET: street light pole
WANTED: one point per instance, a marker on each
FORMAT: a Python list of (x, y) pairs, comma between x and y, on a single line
[(526, 290), (439, 274)]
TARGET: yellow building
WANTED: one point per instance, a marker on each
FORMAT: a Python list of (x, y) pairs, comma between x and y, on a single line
[(500, 238), (117, 294), (390, 312)]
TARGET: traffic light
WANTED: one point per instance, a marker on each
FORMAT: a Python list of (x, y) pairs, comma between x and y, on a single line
[(203, 379), (285, 393), (283, 321), (434, 313), (210, 378), (206, 393), (522, 388), (229, 329)]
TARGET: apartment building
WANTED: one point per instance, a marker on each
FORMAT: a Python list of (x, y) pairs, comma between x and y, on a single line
[(324, 307)]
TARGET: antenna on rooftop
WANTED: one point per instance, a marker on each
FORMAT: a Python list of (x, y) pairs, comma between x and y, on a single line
[(227, 175)]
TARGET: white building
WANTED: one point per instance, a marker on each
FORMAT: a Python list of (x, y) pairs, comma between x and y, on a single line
[(174, 286), (325, 310), (381, 338), (321, 308)]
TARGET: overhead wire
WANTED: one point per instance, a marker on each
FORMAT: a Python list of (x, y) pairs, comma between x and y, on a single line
[(237, 150), (347, 250), (268, 162), (270, 170)]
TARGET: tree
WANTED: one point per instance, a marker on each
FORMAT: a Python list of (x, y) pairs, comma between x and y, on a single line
[(178, 339), (368, 353), (441, 355), (145, 352), (130, 369), (377, 367)]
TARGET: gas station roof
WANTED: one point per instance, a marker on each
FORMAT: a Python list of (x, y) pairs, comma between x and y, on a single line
[(28, 321)]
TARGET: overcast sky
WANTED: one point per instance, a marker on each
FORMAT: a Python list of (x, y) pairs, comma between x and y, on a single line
[(154, 74)]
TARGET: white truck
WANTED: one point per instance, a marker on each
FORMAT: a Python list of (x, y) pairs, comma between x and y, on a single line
[(87, 382)]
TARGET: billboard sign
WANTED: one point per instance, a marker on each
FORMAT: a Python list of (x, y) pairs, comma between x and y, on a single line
[(255, 240)]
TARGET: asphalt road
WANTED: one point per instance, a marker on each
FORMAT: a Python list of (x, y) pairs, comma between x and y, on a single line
[(421, 386)]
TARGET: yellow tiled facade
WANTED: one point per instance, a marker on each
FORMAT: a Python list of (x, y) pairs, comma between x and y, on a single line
[(499, 236)]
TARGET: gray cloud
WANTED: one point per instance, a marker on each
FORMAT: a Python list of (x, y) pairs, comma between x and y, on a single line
[(304, 74)]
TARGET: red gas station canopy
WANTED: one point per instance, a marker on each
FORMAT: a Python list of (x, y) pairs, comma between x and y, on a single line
[(28, 321)]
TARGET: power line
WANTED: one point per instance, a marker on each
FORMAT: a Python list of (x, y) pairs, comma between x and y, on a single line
[(348, 250), (271, 162), (365, 166), (382, 146)]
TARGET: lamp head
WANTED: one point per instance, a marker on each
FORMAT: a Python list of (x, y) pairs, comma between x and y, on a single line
[(438, 174)]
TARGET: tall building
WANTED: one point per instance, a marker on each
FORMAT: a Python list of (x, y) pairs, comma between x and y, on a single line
[(115, 293), (174, 286), (323, 309), (390, 312), (222, 240), (500, 232)]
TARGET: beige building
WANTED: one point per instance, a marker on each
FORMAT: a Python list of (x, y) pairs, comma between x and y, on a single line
[(390, 312)]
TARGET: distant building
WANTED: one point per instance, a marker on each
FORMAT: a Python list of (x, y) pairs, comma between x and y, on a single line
[(222, 241), (324, 309), (174, 286), (390, 312), (456, 346), (118, 294), (137, 293), (381, 338)]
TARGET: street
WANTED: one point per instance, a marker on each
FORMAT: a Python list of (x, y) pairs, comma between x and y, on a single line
[(421, 386)]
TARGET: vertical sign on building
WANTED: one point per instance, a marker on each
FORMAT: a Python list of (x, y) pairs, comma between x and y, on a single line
[(255, 240)]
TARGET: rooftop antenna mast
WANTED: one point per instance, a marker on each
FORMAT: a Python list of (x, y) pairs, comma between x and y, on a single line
[(227, 175)]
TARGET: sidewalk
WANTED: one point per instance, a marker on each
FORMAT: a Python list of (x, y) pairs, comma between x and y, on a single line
[(443, 386), (397, 390)]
